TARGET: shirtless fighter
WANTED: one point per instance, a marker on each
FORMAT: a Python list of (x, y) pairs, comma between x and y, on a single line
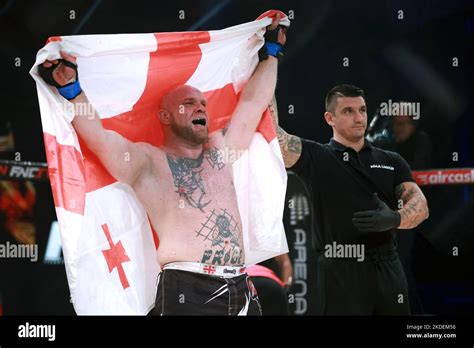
[(186, 186)]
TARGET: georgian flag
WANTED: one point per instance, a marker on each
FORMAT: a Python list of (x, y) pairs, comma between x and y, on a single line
[(108, 243)]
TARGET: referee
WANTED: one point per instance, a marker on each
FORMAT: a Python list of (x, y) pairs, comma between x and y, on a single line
[(360, 196)]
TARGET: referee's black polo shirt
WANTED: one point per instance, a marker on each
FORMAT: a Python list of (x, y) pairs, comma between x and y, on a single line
[(336, 195)]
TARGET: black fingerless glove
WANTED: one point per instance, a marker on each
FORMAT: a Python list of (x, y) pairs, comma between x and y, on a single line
[(271, 47), (68, 91)]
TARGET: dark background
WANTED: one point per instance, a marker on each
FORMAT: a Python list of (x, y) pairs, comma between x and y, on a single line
[(409, 59)]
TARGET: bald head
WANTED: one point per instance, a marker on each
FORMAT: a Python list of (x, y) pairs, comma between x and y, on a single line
[(177, 95), (183, 114)]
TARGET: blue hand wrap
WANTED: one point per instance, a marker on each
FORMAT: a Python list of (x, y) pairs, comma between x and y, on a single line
[(71, 90), (273, 49)]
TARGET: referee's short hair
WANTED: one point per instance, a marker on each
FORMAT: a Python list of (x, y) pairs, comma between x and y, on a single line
[(342, 91)]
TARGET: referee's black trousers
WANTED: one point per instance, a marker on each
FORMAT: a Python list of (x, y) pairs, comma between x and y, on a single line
[(375, 286)]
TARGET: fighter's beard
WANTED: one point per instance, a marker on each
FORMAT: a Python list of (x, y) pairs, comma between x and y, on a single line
[(187, 134)]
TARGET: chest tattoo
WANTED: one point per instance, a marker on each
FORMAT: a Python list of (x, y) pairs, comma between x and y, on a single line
[(187, 176)]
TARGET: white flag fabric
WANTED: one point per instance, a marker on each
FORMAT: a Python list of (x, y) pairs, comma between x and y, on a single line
[(108, 243)]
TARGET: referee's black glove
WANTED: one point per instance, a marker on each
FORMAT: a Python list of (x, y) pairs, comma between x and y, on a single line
[(379, 220)]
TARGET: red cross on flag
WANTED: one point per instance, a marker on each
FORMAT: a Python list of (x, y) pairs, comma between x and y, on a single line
[(108, 244)]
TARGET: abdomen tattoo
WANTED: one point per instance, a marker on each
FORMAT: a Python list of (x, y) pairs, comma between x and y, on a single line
[(222, 231)]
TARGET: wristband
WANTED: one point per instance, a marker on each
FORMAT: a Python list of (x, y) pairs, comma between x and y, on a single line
[(274, 49), (71, 90)]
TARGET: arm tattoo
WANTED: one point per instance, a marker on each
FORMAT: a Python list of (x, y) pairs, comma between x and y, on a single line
[(222, 232), (399, 190), (187, 176), (214, 158), (290, 146), (274, 111), (415, 209), (294, 144)]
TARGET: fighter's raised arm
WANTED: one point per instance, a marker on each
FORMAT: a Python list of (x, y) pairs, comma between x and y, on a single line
[(123, 159), (258, 92), (290, 145)]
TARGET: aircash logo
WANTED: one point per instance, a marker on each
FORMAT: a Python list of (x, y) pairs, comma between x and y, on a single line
[(37, 331), (445, 176)]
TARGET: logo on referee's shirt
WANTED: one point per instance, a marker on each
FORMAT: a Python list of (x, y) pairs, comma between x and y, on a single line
[(381, 166)]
